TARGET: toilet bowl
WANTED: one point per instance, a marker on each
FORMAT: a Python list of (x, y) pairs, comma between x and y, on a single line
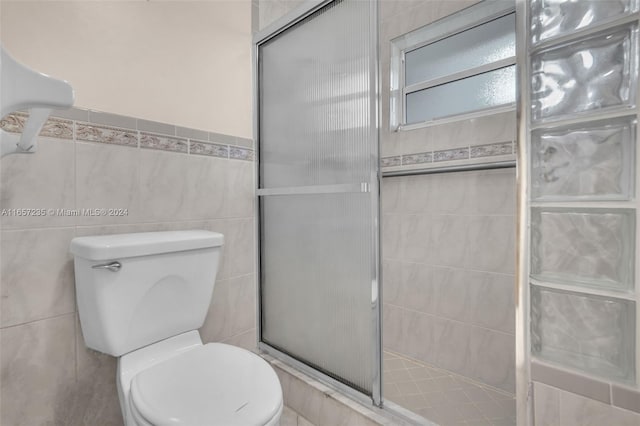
[(212, 384), (141, 298)]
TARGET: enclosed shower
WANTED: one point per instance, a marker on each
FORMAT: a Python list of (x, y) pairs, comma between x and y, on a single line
[(446, 208)]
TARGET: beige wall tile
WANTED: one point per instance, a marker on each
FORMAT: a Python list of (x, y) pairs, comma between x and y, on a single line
[(164, 186), (240, 249), (96, 398), (37, 275), (206, 181), (38, 371), (45, 180), (107, 177), (240, 188), (246, 340), (232, 309)]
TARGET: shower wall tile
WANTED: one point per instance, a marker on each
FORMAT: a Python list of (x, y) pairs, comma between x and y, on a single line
[(37, 275), (492, 358), (37, 371), (43, 181), (107, 178), (497, 232), (448, 271)]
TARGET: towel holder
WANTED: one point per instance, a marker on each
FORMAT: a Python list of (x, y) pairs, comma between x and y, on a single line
[(23, 88)]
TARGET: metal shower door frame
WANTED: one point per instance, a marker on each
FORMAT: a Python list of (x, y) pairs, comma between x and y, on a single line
[(373, 186)]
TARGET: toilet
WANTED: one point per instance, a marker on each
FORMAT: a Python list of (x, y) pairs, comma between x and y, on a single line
[(142, 298)]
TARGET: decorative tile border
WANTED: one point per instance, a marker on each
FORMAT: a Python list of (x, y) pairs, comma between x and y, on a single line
[(164, 143), (472, 152), (57, 128), (63, 123), (110, 135), (420, 158), (13, 123), (391, 161), (490, 150), (211, 149), (240, 153), (451, 154)]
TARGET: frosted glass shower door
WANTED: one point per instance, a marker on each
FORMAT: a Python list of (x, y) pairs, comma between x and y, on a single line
[(318, 193)]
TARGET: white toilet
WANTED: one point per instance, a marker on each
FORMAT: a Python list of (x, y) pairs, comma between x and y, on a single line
[(142, 298)]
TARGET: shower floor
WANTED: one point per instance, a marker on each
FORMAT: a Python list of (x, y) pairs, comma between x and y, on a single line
[(442, 396)]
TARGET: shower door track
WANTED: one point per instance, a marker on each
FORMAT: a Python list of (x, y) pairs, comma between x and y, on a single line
[(448, 169)]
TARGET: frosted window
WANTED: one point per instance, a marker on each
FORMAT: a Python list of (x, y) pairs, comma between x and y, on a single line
[(486, 90), (477, 46)]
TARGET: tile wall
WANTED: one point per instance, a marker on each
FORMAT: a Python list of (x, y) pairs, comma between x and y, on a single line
[(448, 239), (158, 177), (448, 272)]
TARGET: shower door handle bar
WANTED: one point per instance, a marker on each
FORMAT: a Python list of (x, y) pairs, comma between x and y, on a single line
[(316, 189)]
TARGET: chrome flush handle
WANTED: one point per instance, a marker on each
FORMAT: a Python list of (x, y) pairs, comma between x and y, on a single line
[(113, 266)]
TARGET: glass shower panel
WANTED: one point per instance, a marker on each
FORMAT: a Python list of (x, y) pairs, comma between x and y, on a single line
[(318, 160), (316, 266), (315, 121)]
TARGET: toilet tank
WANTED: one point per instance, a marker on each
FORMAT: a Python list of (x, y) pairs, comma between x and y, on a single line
[(137, 289)]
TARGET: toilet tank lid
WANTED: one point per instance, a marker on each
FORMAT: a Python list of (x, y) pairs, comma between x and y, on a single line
[(106, 247)]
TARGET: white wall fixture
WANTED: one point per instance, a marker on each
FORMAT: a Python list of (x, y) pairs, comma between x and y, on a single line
[(23, 88)]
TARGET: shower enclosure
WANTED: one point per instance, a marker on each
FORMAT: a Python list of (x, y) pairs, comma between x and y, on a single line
[(317, 131), (317, 122)]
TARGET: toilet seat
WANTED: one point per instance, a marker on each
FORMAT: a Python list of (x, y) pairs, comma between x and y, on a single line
[(214, 384)]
